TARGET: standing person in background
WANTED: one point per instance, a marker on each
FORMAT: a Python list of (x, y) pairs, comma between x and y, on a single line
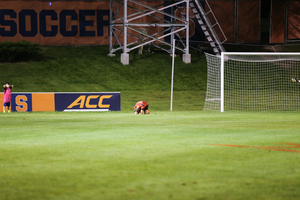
[(141, 107), (7, 96)]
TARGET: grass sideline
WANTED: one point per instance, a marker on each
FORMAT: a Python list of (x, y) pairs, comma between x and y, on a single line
[(165, 155), (89, 69)]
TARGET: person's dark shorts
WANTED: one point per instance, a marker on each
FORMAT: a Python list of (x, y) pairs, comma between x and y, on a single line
[(7, 104), (146, 108)]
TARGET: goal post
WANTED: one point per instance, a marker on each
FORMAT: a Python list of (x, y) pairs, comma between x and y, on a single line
[(251, 81)]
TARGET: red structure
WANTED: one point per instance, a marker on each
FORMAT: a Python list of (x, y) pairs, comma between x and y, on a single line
[(87, 22)]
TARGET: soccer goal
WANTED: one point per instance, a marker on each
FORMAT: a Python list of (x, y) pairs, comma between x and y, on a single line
[(253, 82)]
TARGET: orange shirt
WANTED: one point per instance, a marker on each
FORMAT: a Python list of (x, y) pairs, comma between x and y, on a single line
[(141, 104)]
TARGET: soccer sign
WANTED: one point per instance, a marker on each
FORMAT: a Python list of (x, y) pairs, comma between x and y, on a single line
[(55, 23)]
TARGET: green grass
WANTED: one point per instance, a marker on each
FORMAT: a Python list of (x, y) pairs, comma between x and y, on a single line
[(165, 155), (118, 155), (89, 69)]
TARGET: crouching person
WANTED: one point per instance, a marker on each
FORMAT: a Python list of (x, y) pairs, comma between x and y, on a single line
[(141, 107)]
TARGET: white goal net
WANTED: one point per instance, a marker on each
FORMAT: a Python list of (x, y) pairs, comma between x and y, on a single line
[(253, 82)]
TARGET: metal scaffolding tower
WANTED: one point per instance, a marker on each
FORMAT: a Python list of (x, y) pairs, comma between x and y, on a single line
[(128, 20), (129, 26)]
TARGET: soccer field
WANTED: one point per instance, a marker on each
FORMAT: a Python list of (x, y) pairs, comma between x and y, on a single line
[(165, 155)]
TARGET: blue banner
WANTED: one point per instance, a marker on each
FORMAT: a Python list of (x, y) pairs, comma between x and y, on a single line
[(21, 102), (88, 101)]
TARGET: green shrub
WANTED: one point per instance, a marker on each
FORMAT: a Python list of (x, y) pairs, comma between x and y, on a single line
[(18, 51)]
